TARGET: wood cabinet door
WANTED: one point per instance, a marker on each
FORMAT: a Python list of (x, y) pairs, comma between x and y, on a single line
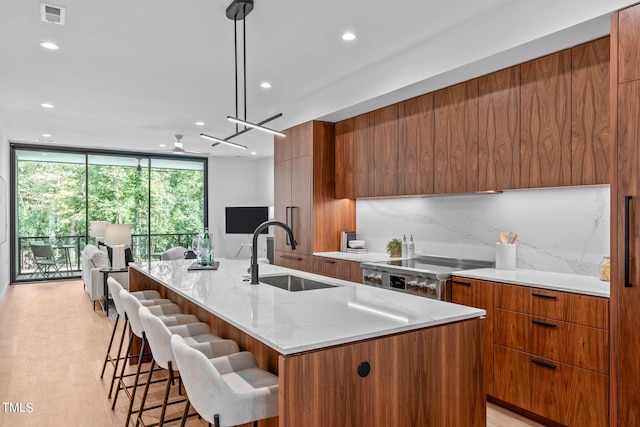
[(282, 202), (385, 151), (590, 105), (478, 294), (545, 114), (344, 160), (301, 216), (302, 141), (456, 138), (363, 155), (415, 145), (628, 34), (499, 130)]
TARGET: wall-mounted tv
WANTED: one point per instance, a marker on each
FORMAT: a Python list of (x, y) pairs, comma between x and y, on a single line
[(245, 219)]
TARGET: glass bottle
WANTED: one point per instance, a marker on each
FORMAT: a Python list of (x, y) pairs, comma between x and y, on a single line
[(206, 249), (605, 269)]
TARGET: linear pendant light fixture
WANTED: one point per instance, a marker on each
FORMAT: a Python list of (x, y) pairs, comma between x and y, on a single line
[(238, 10)]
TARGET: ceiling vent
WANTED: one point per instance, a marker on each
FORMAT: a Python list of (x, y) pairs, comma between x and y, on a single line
[(51, 13)]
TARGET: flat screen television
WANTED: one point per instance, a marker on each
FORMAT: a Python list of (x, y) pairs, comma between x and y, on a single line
[(245, 219)]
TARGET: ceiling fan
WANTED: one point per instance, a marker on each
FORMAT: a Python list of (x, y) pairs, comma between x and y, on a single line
[(179, 149)]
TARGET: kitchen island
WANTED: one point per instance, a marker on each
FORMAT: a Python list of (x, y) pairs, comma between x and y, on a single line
[(347, 355)]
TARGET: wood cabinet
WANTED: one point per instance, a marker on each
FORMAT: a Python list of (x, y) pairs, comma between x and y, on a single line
[(363, 155), (415, 145), (545, 114), (344, 160), (625, 217), (479, 294), (499, 130), (385, 151), (590, 98), (338, 268), (304, 189), (456, 138), (551, 353)]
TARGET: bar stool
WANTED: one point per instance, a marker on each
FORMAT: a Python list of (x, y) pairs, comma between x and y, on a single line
[(196, 335), (169, 314), (228, 390), (147, 297)]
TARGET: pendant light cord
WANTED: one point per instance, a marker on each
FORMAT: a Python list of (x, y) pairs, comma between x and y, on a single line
[(244, 62), (235, 53)]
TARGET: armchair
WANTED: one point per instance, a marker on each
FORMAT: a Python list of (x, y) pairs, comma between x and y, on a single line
[(93, 260)]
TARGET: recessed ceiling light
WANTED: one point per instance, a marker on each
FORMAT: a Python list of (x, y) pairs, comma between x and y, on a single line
[(46, 135), (253, 153), (47, 105), (163, 145), (50, 45), (265, 85), (348, 36), (199, 123)]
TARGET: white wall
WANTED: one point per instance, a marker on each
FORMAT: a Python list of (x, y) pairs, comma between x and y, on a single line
[(4, 204), (237, 182), (563, 230)]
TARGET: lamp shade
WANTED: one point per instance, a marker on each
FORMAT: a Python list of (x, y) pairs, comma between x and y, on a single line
[(117, 234), (97, 228)]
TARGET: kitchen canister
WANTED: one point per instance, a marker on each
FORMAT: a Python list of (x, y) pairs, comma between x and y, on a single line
[(505, 256)]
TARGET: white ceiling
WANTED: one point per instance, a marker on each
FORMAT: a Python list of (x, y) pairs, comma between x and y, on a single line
[(131, 74)]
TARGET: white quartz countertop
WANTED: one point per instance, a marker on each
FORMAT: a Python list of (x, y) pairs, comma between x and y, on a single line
[(574, 283), (368, 257), (293, 322)]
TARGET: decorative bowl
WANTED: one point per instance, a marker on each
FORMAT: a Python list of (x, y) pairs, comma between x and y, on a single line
[(356, 244)]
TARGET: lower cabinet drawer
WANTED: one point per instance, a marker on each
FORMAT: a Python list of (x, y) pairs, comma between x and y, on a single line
[(332, 267), (293, 260), (559, 392), (569, 343)]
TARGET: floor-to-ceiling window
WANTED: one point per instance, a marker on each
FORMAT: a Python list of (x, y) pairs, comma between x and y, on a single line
[(57, 193)]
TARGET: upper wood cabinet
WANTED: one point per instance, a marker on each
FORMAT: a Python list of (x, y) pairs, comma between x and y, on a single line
[(499, 130), (363, 155), (590, 105), (385, 151), (545, 113), (415, 145), (456, 138), (628, 34), (344, 160)]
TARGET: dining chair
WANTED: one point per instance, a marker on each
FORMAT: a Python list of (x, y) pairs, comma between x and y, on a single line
[(46, 260)]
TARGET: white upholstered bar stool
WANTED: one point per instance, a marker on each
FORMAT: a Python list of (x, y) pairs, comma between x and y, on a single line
[(228, 390), (196, 335), (147, 297), (169, 314)]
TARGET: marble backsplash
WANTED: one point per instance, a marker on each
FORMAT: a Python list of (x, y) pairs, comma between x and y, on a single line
[(564, 230)]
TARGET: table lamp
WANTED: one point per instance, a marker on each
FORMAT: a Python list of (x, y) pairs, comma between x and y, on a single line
[(117, 236), (96, 229)]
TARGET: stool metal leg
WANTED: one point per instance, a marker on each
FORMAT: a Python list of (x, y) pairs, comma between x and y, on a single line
[(146, 391), (135, 384), (108, 357), (185, 414), (124, 364), (115, 369)]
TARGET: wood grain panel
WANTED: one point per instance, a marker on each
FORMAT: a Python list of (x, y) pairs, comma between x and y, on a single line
[(302, 140), (356, 272), (478, 294), (545, 114), (282, 198), (440, 385), (363, 155), (456, 138), (499, 130), (568, 343), (385, 137), (344, 159), (590, 100), (628, 46), (415, 145), (301, 205), (574, 308), (332, 267), (282, 146), (292, 259)]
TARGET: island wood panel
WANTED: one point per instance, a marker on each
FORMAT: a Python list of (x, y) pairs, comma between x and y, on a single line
[(574, 308), (499, 130), (363, 155), (344, 159), (590, 105), (426, 377), (282, 201), (456, 138), (628, 57), (330, 215), (266, 357), (562, 393), (478, 294), (576, 345), (545, 114), (415, 145), (385, 151)]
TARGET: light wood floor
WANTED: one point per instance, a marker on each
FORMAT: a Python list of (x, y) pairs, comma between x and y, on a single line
[(52, 345)]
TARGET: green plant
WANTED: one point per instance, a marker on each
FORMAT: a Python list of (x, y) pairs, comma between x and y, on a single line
[(394, 247)]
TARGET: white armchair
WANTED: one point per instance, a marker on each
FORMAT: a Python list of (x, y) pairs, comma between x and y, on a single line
[(93, 260)]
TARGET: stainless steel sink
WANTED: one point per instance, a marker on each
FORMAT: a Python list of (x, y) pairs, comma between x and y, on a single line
[(294, 283)]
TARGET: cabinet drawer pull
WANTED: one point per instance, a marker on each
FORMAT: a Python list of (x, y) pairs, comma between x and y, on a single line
[(330, 262), (292, 257), (543, 364), (455, 282), (544, 296), (548, 325), (627, 273)]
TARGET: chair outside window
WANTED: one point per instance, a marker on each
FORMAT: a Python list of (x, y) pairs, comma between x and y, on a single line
[(46, 260)]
